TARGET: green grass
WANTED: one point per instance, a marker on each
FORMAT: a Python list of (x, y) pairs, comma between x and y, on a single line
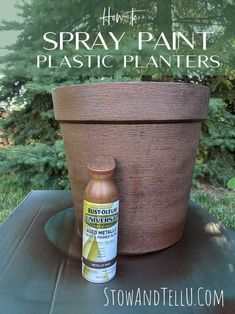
[(10, 197), (218, 202)]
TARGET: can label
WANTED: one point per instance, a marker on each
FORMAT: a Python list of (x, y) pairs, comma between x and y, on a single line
[(99, 249)]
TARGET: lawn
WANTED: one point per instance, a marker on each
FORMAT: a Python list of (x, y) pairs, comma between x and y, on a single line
[(10, 197), (217, 201)]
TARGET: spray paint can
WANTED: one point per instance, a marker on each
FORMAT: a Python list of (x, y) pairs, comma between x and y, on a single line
[(100, 222)]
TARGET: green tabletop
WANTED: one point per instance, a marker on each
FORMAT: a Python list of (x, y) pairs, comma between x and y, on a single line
[(37, 278)]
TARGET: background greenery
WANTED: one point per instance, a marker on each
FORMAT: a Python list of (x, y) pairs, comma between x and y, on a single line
[(36, 159)]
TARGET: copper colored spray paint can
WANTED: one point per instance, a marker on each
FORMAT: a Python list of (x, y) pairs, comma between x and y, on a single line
[(100, 222)]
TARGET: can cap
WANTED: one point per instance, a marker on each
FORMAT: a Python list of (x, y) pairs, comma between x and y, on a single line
[(102, 165)]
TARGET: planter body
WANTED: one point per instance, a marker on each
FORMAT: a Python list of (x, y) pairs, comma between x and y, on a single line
[(152, 130)]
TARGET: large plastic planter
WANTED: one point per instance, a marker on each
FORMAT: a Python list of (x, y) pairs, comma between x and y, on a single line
[(152, 130)]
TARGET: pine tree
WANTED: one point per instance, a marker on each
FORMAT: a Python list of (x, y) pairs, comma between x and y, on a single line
[(27, 89)]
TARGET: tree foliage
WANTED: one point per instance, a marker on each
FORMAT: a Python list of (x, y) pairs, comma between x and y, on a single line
[(215, 161), (37, 166), (27, 89)]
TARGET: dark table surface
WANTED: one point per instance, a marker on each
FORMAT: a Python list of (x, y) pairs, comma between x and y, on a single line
[(37, 278)]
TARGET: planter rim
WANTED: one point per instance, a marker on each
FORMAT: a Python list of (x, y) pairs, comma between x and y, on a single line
[(72, 86), (130, 102)]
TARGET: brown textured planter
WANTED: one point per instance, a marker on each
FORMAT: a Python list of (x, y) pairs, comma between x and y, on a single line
[(152, 131)]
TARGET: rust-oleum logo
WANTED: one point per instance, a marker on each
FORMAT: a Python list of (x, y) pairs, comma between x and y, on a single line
[(105, 209), (101, 222)]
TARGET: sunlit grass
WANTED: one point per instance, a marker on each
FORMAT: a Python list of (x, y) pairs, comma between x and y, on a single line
[(10, 197), (218, 202)]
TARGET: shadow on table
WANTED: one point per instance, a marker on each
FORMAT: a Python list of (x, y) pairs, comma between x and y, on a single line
[(205, 242)]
